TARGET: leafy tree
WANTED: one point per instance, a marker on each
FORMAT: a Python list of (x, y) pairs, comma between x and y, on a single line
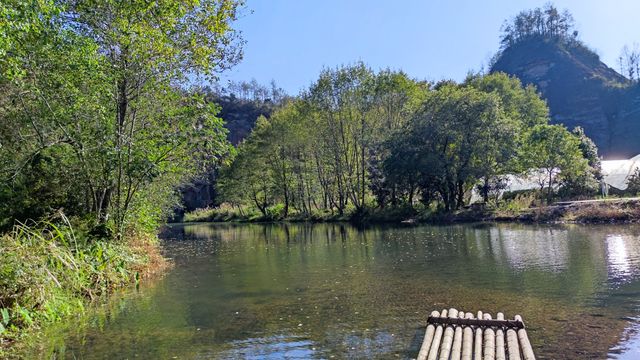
[(104, 85), (634, 183), (556, 152), (396, 98), (546, 22), (248, 177), (341, 98), (588, 182), (521, 104), (524, 107)]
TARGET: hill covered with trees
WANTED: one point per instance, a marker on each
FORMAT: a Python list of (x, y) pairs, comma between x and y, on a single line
[(542, 47)]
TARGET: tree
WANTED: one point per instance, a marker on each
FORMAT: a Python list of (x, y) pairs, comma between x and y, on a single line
[(545, 22), (341, 98), (247, 177), (629, 62), (105, 82), (554, 151), (524, 107), (396, 98), (457, 138), (587, 182), (634, 182)]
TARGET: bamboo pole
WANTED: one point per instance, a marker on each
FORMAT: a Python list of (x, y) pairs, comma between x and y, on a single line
[(512, 345), (433, 351), (447, 340), (500, 354), (428, 339), (477, 353), (489, 341), (467, 340), (527, 351), (456, 348)]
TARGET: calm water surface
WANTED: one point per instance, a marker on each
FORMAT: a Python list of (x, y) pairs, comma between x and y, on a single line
[(334, 291)]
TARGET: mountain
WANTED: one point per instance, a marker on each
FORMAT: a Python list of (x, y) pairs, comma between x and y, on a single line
[(580, 90)]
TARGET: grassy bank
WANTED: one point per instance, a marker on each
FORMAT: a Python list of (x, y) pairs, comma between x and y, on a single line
[(516, 210), (51, 270), (226, 213)]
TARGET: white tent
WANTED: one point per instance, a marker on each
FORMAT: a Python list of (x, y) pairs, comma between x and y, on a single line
[(617, 172), (534, 179)]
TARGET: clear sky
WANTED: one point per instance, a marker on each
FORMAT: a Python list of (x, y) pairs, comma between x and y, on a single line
[(290, 41)]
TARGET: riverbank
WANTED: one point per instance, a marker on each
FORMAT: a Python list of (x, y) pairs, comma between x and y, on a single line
[(620, 210), (623, 210), (50, 271)]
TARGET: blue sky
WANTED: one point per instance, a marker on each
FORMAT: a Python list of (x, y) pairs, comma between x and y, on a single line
[(290, 41)]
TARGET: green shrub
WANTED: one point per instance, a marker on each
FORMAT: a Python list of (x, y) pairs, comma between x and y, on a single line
[(275, 212), (634, 183), (519, 200)]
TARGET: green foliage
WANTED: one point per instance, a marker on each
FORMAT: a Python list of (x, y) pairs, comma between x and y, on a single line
[(97, 119), (518, 201), (458, 137), (634, 183), (584, 184), (95, 115), (556, 152), (358, 139), (319, 153), (522, 105), (547, 22), (47, 270)]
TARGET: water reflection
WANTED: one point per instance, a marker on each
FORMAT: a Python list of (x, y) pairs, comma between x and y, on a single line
[(316, 291), (275, 347), (546, 248), (621, 252)]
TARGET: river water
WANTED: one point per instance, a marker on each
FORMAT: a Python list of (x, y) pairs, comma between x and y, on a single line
[(301, 291)]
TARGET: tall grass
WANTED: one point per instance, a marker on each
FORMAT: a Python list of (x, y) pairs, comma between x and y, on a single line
[(47, 272)]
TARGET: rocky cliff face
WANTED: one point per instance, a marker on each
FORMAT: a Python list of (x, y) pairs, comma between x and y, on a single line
[(580, 91)]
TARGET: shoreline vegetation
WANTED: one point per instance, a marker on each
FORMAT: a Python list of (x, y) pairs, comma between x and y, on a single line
[(54, 269), (609, 210)]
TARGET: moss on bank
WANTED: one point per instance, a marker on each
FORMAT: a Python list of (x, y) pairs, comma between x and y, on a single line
[(49, 271)]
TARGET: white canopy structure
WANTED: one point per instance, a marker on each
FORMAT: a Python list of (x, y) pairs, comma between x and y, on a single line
[(534, 179), (617, 172)]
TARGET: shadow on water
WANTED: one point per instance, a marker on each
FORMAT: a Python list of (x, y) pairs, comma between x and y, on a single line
[(323, 290)]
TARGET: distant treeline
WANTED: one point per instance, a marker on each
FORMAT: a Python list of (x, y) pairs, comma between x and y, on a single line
[(242, 102), (358, 139)]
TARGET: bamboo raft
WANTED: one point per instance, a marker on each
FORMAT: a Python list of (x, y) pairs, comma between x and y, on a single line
[(457, 335)]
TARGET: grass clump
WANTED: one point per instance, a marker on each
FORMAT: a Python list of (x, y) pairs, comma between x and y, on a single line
[(48, 272), (224, 212)]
